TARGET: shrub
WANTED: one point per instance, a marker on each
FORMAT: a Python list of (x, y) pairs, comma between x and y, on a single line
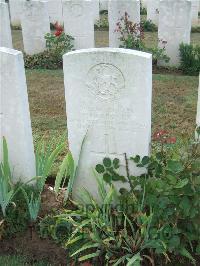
[(102, 23), (57, 44), (158, 215), (148, 25), (190, 58), (195, 29), (143, 10), (132, 35)]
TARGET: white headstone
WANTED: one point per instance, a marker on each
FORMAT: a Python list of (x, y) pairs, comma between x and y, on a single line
[(117, 9), (35, 24), (144, 3), (174, 27), (103, 5), (96, 10), (195, 11), (153, 11), (15, 11), (78, 18), (15, 122), (55, 11), (108, 99), (5, 31)]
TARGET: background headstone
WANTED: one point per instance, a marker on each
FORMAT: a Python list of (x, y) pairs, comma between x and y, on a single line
[(174, 27), (35, 24), (15, 12), (103, 5), (195, 11), (108, 100), (153, 11), (5, 30), (78, 18), (55, 11), (15, 123), (117, 9)]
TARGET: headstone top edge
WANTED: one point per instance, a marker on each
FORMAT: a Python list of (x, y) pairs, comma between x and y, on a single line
[(110, 50), (9, 51)]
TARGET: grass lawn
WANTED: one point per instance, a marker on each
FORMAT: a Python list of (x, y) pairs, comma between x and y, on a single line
[(174, 103)]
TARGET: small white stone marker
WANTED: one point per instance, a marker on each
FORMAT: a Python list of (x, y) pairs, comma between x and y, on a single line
[(153, 11), (108, 100), (78, 19), (15, 12), (195, 11), (5, 30), (117, 9), (35, 24), (174, 27), (55, 11), (15, 124)]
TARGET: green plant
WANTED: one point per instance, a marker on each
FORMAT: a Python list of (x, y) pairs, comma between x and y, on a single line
[(46, 155), (190, 58), (17, 219), (143, 10), (7, 188), (58, 43), (102, 23), (68, 168), (195, 29), (33, 203), (170, 190), (132, 35), (103, 230)]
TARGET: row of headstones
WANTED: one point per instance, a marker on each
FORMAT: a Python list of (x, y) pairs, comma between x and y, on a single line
[(108, 109), (153, 7), (55, 10), (174, 24)]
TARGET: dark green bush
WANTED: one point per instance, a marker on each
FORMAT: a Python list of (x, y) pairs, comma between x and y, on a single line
[(148, 25), (46, 60), (190, 58), (57, 45)]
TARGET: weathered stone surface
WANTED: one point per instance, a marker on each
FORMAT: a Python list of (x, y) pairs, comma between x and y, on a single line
[(35, 24), (108, 100), (15, 123), (103, 5), (96, 10), (153, 11), (5, 31), (174, 27), (117, 9), (195, 11), (55, 11), (79, 22), (15, 11)]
